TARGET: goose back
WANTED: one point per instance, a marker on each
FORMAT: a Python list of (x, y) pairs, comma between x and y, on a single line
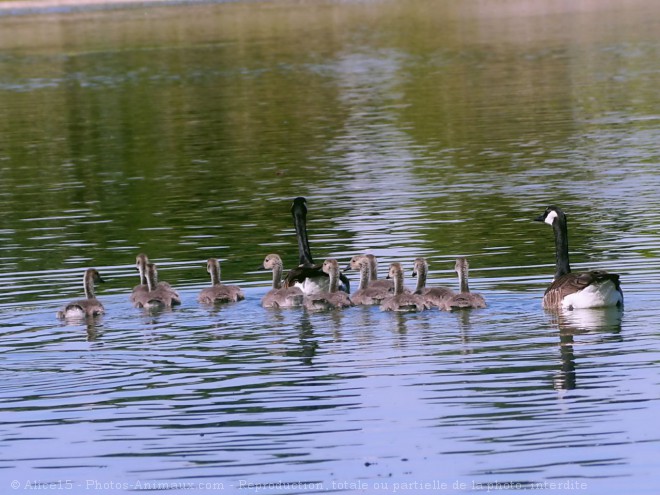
[(278, 296), (464, 299), (569, 290), (218, 292), (332, 298), (88, 307), (401, 301), (433, 296)]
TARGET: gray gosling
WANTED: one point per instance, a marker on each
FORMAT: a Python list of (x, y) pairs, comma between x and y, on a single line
[(218, 292), (434, 296), (366, 294), (142, 288), (333, 298), (90, 306), (278, 296), (465, 299), (401, 301), (373, 276), (160, 294)]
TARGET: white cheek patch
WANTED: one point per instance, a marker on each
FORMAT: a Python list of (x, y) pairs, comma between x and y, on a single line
[(550, 217)]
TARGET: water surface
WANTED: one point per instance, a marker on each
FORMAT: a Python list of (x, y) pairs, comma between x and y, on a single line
[(414, 129)]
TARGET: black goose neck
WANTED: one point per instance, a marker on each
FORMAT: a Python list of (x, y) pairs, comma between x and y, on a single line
[(299, 212), (560, 229)]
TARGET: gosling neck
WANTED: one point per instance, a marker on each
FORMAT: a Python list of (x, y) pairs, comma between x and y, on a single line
[(373, 267), (463, 278), (398, 281), (88, 284), (365, 275), (152, 276), (421, 271), (277, 275), (333, 275), (214, 271), (141, 263)]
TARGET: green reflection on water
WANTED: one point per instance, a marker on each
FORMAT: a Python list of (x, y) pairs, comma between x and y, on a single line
[(185, 131)]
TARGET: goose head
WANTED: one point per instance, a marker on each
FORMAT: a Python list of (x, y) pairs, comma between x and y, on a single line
[(331, 266), (420, 267), (213, 268), (551, 214), (357, 262), (92, 275), (271, 262), (461, 265)]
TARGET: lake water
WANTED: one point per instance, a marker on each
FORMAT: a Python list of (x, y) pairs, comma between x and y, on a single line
[(413, 128)]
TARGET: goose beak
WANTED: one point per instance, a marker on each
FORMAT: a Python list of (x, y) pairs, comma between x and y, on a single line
[(540, 218), (414, 273), (348, 267), (260, 267), (100, 280)]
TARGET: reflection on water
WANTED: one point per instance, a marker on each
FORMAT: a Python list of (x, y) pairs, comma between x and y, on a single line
[(605, 322), (413, 130)]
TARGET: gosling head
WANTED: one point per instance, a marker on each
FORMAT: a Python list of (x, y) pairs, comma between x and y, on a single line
[(420, 266), (271, 261), (93, 275), (395, 270), (461, 265), (356, 262), (330, 266)]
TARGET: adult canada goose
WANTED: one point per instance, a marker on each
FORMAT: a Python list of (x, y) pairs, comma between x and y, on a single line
[(332, 298), (308, 276), (142, 288), (160, 294), (592, 289), (434, 296), (278, 296), (400, 300), (367, 294), (464, 299), (218, 292), (90, 306)]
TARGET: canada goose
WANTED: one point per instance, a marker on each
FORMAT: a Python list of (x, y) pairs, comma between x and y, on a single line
[(464, 299), (434, 296), (592, 289), (367, 294), (160, 295), (278, 296), (400, 300), (374, 282), (142, 288), (218, 292), (332, 298), (308, 276), (90, 306)]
